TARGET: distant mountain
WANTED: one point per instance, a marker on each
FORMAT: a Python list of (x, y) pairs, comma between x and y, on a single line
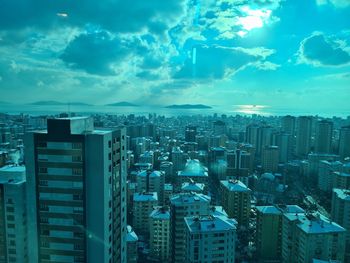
[(122, 104), (188, 106), (53, 102)]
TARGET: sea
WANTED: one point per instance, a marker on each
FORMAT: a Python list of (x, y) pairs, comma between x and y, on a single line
[(247, 110)]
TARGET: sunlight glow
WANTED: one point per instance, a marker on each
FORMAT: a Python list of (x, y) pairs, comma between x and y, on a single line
[(253, 18)]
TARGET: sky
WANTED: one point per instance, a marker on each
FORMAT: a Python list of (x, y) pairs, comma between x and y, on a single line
[(283, 53)]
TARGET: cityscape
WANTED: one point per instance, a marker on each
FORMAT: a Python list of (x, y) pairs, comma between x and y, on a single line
[(201, 188), (175, 131)]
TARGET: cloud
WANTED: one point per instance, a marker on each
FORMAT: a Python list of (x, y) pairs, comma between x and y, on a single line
[(320, 50), (98, 52), (116, 16), (219, 62), (336, 3)]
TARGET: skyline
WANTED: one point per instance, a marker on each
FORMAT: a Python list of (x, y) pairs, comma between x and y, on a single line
[(294, 54)]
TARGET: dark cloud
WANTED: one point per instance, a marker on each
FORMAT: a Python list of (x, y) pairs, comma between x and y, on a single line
[(217, 62), (114, 15), (321, 51), (97, 52)]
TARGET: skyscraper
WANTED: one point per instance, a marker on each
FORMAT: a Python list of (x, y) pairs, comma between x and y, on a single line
[(288, 124), (324, 132), (270, 159), (182, 205), (76, 178), (13, 219), (344, 142), (236, 198), (303, 135)]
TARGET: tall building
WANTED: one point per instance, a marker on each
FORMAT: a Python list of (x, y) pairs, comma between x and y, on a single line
[(344, 142), (326, 171), (311, 236), (270, 159), (210, 239), (236, 198), (219, 128), (288, 124), (252, 131), (190, 133), (341, 215), (182, 205), (324, 135), (144, 204), (264, 138), (76, 178), (284, 142), (160, 234), (13, 219), (341, 180), (268, 237), (303, 135), (151, 181), (131, 241)]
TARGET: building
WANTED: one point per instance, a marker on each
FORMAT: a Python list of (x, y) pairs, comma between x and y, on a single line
[(13, 219), (270, 159), (344, 142), (288, 124), (195, 171), (308, 236), (182, 205), (326, 176), (168, 191), (192, 187), (76, 177), (324, 135), (160, 234), (131, 241), (341, 215), (151, 181), (303, 135), (284, 142), (219, 128), (341, 180), (314, 161), (236, 198), (269, 231), (210, 239), (144, 204)]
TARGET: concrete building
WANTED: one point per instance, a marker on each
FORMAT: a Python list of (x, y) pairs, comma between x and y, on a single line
[(288, 124), (131, 241), (160, 234), (341, 215), (341, 180), (270, 159), (151, 181), (344, 142), (236, 198), (144, 204), (324, 135), (168, 191), (303, 135), (192, 187), (314, 162), (311, 236), (326, 171), (195, 171), (76, 178), (13, 219), (210, 239), (285, 147), (182, 205), (269, 231)]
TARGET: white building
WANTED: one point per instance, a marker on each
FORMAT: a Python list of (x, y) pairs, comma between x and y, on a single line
[(13, 219), (210, 239), (160, 233), (144, 204), (151, 181), (182, 205)]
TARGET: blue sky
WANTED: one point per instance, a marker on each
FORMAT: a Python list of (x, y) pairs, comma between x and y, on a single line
[(285, 53)]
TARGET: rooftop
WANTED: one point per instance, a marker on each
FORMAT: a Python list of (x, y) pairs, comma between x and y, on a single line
[(144, 173), (342, 193), (210, 224), (131, 235), (161, 213), (145, 197), (235, 186), (180, 199), (192, 186)]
